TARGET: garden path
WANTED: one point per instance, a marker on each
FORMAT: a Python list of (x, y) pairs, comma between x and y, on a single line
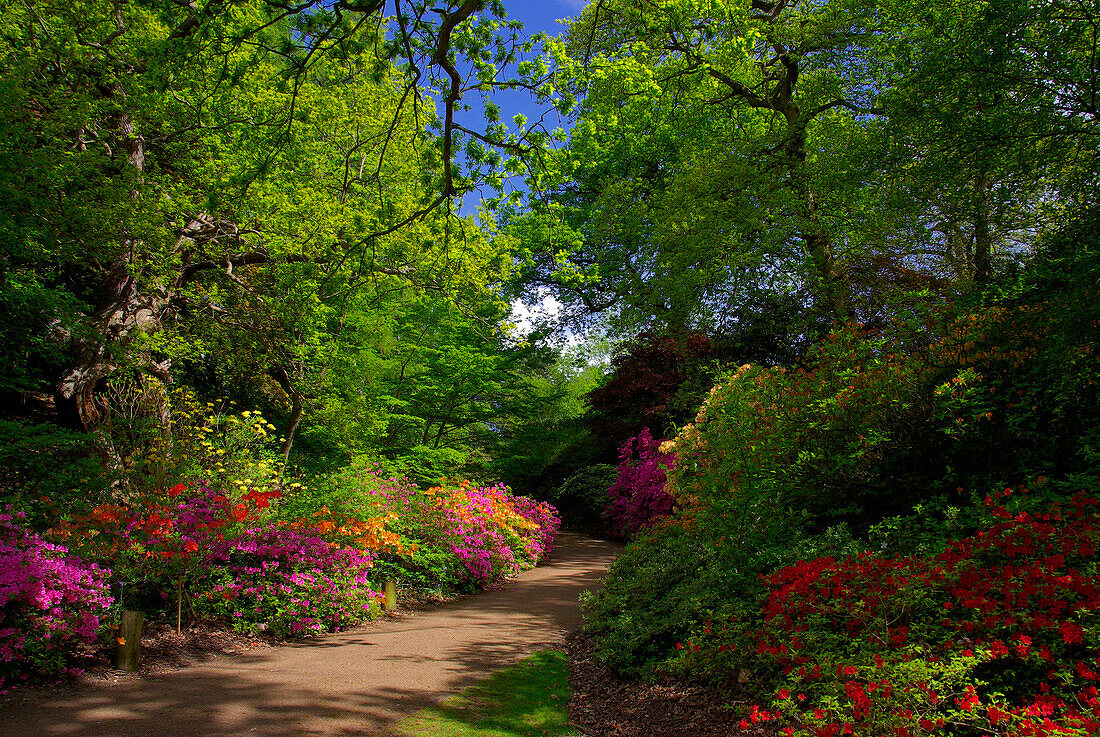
[(352, 683)]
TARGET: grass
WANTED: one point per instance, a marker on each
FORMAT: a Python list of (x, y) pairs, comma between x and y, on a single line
[(528, 699)]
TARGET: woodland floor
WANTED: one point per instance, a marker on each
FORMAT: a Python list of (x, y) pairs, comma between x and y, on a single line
[(607, 706)]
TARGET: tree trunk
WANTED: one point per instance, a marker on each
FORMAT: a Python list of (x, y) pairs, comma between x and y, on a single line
[(298, 406), (983, 239), (128, 649)]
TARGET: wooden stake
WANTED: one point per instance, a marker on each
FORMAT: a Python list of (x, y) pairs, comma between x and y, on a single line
[(179, 605), (389, 603), (128, 651)]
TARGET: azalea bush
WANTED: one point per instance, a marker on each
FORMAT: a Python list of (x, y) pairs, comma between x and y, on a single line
[(450, 536), (638, 496), (686, 569), (490, 532), (159, 541), (249, 557), (777, 465), (997, 634), (238, 562), (815, 438), (52, 604), (288, 582)]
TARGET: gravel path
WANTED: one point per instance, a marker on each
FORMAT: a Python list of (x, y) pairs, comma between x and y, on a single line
[(352, 683)]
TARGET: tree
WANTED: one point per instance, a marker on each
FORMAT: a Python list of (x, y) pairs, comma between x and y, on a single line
[(177, 176), (699, 155), (991, 125)]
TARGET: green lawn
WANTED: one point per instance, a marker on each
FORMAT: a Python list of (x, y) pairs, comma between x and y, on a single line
[(528, 699)]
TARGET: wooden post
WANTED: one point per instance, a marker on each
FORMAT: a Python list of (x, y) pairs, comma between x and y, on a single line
[(179, 605), (128, 651), (389, 603)]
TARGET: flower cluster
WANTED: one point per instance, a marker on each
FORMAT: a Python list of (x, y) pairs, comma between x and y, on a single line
[(638, 496), (289, 582), (999, 634), (50, 602), (234, 557), (491, 531), (170, 534)]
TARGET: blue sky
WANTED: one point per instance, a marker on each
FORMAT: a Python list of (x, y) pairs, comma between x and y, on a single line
[(543, 16), (536, 16)]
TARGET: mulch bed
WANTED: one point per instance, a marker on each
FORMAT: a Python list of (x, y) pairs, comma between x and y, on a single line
[(164, 651), (608, 706)]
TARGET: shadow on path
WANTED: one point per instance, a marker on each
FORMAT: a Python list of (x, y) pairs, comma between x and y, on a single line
[(351, 683)]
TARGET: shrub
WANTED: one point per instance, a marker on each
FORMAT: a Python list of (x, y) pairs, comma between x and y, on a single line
[(771, 469), (164, 539), (998, 634), (453, 536), (814, 439), (289, 582), (638, 496), (492, 532), (658, 382), (51, 603), (684, 570)]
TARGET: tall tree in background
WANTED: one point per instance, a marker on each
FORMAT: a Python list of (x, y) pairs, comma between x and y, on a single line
[(703, 150), (844, 153), (992, 125), (178, 175)]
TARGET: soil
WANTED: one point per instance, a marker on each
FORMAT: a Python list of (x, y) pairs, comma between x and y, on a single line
[(164, 651), (605, 705)]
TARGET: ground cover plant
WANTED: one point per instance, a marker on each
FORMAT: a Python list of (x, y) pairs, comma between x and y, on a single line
[(527, 699)]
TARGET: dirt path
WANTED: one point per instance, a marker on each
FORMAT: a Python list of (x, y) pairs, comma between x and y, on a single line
[(353, 683)]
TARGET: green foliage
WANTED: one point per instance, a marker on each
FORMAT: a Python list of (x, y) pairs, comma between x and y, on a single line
[(582, 497), (545, 439), (210, 442), (884, 433), (47, 471), (808, 440), (687, 570), (992, 633), (1022, 371), (657, 381)]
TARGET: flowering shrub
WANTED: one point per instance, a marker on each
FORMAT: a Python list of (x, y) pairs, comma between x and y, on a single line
[(289, 582), (999, 634), (492, 532), (546, 521), (208, 441), (638, 496), (167, 535), (453, 535), (768, 438), (50, 603)]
